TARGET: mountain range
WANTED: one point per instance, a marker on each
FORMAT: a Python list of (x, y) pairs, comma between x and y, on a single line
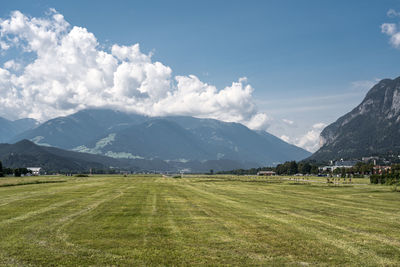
[(102, 138), (370, 129), (162, 143), (55, 160)]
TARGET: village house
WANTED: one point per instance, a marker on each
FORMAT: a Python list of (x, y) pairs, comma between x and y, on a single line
[(339, 164), (35, 170)]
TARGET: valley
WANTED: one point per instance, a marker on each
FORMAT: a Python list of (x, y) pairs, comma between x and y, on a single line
[(108, 138)]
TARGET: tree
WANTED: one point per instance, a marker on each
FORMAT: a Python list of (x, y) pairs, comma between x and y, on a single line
[(24, 171), (305, 168), (8, 171), (1, 170), (17, 173), (343, 172), (314, 169), (337, 171), (293, 167)]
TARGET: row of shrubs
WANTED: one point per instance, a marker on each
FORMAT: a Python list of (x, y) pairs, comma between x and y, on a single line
[(388, 179)]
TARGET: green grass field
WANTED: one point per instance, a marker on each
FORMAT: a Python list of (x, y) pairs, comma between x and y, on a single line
[(217, 220)]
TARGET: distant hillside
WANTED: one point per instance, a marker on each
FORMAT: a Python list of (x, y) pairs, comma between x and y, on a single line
[(372, 128), (27, 154), (78, 128), (172, 139), (9, 129)]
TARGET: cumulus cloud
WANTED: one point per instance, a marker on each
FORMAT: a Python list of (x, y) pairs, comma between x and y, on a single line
[(391, 29), (364, 84), (259, 121), (285, 138), (12, 65), (290, 122), (319, 126), (392, 13), (310, 140), (70, 71)]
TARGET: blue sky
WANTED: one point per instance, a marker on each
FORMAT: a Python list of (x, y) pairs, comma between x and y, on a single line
[(309, 62)]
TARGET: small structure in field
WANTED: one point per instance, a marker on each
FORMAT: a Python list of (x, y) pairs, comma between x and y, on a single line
[(35, 170), (266, 173)]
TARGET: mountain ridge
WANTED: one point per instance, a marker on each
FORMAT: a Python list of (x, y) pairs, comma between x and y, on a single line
[(10, 128), (171, 138), (55, 160), (370, 129)]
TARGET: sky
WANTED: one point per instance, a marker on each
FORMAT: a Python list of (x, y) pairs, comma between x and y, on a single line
[(287, 67)]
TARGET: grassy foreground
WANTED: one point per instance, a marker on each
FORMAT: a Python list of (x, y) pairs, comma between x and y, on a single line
[(144, 220)]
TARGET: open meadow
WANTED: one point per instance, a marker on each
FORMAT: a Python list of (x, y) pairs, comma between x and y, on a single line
[(214, 220)]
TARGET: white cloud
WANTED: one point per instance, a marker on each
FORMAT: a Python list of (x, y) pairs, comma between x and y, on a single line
[(391, 30), (364, 84), (392, 13), (71, 71), (290, 122), (285, 138), (319, 126), (4, 45), (388, 28), (260, 121), (12, 65), (310, 141)]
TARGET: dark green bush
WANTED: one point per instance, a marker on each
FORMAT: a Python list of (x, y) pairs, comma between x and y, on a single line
[(387, 179), (81, 175), (374, 178)]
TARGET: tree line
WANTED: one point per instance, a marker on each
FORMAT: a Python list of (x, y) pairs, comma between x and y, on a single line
[(293, 167), (16, 172), (252, 171), (287, 168)]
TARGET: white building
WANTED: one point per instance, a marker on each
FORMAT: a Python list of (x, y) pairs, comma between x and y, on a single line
[(339, 165), (35, 170)]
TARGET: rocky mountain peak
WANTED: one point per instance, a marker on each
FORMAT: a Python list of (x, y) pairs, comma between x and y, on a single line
[(372, 127)]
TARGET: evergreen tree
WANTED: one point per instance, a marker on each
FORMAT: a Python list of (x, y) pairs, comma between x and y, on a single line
[(314, 169), (17, 172), (343, 172), (293, 167), (305, 168)]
